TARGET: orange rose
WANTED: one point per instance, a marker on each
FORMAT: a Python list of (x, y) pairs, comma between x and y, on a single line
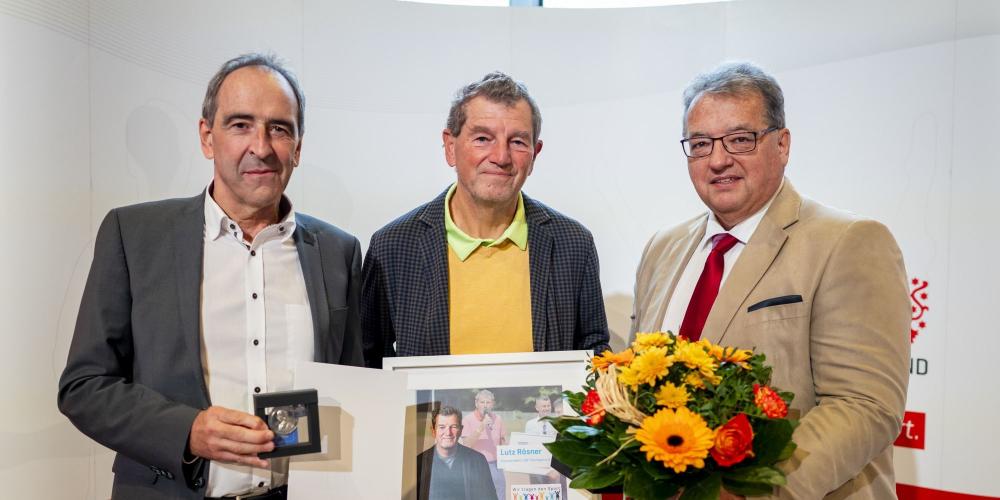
[(733, 441), (769, 401), (593, 410)]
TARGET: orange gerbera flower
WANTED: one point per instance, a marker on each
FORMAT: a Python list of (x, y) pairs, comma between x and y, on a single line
[(678, 438)]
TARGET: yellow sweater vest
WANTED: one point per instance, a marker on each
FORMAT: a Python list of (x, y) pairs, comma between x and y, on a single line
[(489, 297)]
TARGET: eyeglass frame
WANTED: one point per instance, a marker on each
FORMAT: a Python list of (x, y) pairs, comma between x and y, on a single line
[(721, 138)]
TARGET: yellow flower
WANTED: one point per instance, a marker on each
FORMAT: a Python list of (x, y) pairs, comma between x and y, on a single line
[(672, 396), (693, 356), (645, 341), (603, 361), (705, 344), (733, 355), (694, 380), (678, 438), (647, 367)]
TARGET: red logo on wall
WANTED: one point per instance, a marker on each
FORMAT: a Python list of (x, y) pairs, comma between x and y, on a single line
[(912, 434), (918, 295)]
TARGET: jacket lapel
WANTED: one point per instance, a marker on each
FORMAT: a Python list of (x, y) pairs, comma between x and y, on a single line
[(670, 274), (432, 246), (540, 244), (311, 260), (756, 258), (189, 245)]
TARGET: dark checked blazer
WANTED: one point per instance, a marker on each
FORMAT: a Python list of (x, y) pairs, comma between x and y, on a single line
[(404, 297), (133, 379)]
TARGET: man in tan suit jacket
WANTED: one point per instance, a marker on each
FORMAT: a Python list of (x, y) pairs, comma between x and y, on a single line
[(821, 292)]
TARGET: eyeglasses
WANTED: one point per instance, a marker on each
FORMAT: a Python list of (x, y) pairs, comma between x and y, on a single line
[(735, 143)]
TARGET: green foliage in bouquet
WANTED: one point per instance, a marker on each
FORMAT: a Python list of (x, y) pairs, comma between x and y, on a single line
[(668, 415)]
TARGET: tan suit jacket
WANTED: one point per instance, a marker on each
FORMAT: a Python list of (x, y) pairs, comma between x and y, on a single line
[(843, 349)]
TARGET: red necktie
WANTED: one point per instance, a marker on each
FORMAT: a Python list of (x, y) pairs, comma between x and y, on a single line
[(707, 288)]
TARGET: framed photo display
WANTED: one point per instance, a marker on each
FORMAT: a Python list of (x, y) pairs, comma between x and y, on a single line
[(475, 423)]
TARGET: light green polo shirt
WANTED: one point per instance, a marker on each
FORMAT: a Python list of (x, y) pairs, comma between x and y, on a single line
[(463, 245)]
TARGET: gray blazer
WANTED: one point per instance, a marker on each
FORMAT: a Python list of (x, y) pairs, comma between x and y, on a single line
[(405, 292), (133, 379)]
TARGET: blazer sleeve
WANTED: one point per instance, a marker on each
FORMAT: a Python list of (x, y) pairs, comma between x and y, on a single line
[(96, 389), (424, 465), (642, 285), (592, 320), (376, 322), (859, 348)]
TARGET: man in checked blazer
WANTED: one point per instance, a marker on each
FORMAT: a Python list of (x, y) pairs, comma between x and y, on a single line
[(193, 305), (483, 268), (821, 292)]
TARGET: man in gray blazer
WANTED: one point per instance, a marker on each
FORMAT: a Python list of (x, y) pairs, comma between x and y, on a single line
[(482, 267), (193, 305)]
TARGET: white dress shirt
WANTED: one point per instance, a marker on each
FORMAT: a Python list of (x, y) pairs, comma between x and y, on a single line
[(255, 325), (539, 427), (677, 307)]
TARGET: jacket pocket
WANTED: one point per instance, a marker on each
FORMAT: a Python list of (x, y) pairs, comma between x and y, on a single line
[(775, 301), (338, 318), (332, 341), (777, 308)]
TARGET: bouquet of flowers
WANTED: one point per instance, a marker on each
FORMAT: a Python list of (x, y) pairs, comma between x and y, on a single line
[(668, 415)]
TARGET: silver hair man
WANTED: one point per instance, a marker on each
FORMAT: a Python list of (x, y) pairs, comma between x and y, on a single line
[(738, 78)]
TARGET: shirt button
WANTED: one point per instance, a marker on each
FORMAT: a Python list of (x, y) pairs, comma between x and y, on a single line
[(256, 389), (260, 484), (254, 296), (255, 342), (281, 228), (232, 226), (253, 253)]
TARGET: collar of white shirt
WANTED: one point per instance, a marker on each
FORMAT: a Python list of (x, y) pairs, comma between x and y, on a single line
[(217, 223), (742, 231)]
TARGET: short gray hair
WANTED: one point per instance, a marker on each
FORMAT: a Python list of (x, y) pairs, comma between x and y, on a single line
[(739, 78), (270, 61), (496, 87), (486, 392)]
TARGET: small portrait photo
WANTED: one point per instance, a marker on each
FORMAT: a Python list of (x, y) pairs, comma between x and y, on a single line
[(487, 443)]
